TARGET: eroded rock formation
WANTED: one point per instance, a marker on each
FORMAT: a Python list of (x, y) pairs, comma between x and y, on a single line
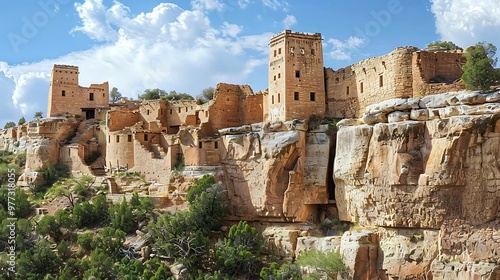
[(270, 174), (434, 169)]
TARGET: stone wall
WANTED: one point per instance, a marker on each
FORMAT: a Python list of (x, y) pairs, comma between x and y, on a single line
[(436, 72), (369, 81), (119, 119), (405, 72)]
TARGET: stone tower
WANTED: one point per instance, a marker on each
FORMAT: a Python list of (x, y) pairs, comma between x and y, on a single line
[(296, 77), (66, 96)]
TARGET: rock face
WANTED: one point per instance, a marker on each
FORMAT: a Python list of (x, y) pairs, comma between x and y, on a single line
[(436, 169), (275, 171)]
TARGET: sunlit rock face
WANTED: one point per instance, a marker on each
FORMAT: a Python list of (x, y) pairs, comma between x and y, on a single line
[(276, 171), (433, 169)]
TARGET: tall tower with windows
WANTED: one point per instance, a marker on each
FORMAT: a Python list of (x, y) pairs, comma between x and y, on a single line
[(66, 96), (296, 77)]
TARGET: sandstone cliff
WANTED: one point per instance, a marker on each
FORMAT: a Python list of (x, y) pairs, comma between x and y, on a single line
[(426, 170), (275, 171)]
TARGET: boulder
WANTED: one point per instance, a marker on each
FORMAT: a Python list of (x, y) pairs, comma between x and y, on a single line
[(374, 118), (398, 116)]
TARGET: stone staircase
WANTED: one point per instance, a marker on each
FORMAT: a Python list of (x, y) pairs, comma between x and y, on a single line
[(81, 133), (113, 186), (156, 151)]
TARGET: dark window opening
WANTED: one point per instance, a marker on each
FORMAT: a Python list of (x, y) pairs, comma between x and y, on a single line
[(297, 73), (216, 145), (170, 111), (312, 51), (278, 98), (312, 96), (145, 137), (361, 89), (200, 145), (63, 93), (381, 81), (347, 91), (296, 95), (272, 99), (129, 138), (117, 138), (91, 96), (147, 113)]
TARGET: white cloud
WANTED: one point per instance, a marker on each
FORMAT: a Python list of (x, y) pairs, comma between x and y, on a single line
[(341, 50), (466, 22), (168, 48), (97, 21), (26, 92), (289, 21), (229, 29), (276, 4), (244, 3), (207, 5)]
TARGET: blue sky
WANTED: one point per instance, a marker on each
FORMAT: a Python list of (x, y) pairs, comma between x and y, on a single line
[(190, 45)]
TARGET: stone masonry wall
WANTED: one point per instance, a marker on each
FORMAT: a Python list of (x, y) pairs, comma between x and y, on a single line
[(369, 81), (405, 72)]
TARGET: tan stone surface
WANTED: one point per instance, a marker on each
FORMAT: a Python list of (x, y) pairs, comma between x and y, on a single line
[(265, 172)]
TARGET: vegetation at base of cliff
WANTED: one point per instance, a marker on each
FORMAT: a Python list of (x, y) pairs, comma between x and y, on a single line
[(87, 240), (479, 71), (327, 264)]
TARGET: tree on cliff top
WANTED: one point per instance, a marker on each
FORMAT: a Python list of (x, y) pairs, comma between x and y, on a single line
[(153, 94), (9, 125), (479, 71), (206, 95), (444, 45), (114, 95)]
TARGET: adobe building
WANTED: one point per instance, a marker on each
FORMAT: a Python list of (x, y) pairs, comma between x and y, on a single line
[(296, 77), (66, 96), (161, 134), (403, 73)]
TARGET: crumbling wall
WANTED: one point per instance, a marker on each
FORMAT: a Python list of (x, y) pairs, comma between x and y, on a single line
[(351, 89), (436, 72), (121, 118)]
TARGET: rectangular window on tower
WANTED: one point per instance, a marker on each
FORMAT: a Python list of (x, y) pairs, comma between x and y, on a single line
[(91, 96), (296, 95), (381, 81), (297, 73), (312, 96), (63, 93), (361, 88), (129, 138)]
